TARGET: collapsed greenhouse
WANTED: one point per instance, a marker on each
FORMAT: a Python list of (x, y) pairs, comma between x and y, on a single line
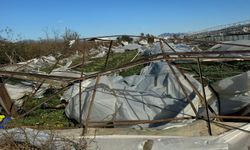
[(166, 93)]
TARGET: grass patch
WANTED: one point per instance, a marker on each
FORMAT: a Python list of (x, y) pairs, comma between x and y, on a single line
[(115, 60), (215, 71), (46, 118), (132, 71)]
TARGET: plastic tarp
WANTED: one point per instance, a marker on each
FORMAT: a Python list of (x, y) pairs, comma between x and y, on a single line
[(235, 139), (17, 91), (154, 94), (233, 94), (155, 48), (131, 46), (34, 65), (238, 139), (229, 96), (65, 71), (221, 47)]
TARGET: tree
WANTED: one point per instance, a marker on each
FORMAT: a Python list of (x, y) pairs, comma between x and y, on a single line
[(71, 39), (125, 38), (70, 35), (150, 38), (142, 35)]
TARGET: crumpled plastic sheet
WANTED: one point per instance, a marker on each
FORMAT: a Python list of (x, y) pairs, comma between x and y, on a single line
[(153, 95)]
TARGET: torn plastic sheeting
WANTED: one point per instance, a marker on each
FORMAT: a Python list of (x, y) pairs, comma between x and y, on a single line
[(131, 47), (65, 71), (233, 92), (44, 61), (143, 42), (99, 55), (18, 90), (31, 64), (12, 67), (101, 51), (155, 48), (182, 48), (142, 142), (221, 47), (71, 42), (124, 43), (154, 94), (237, 139), (231, 140), (74, 90)]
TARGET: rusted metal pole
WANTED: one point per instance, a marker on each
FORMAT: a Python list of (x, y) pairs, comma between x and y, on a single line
[(146, 121), (134, 122), (106, 61), (168, 45), (183, 90), (204, 96), (35, 75), (80, 90), (189, 82), (85, 130), (80, 102)]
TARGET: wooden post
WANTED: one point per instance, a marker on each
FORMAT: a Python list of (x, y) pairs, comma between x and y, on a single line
[(5, 100)]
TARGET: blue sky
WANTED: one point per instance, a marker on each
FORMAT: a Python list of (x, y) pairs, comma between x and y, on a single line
[(106, 17)]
